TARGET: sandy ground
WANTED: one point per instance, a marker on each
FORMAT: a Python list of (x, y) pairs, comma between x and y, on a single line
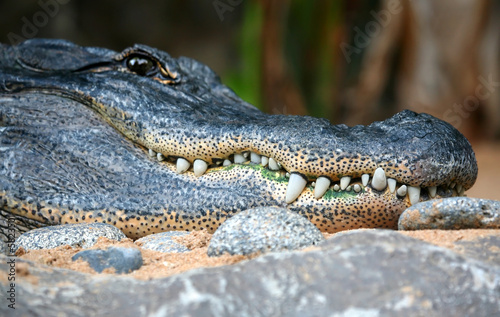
[(157, 264)]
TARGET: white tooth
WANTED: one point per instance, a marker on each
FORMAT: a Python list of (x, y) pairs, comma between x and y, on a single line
[(199, 167), (458, 188), (344, 182), (364, 179), (462, 191), (264, 160), (287, 175), (245, 154), (379, 181), (239, 158), (452, 185), (432, 191), (348, 189), (414, 194), (255, 158), (356, 188), (152, 153), (273, 165), (296, 185), (226, 162), (322, 184), (160, 157), (402, 190), (392, 184), (182, 165), (336, 187)]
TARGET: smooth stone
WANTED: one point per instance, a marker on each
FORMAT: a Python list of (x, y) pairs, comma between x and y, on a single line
[(484, 249), (357, 273), (82, 235), (123, 260), (163, 242), (452, 214), (263, 229)]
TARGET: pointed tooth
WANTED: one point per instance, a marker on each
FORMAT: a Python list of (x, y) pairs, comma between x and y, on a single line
[(199, 167), (245, 154), (452, 185), (152, 153), (462, 191), (322, 184), (414, 194), (273, 165), (264, 160), (296, 185), (391, 182), (226, 162), (287, 175), (348, 188), (239, 158), (432, 191), (459, 188), (182, 165), (160, 157), (255, 158), (365, 178), (344, 182), (379, 181), (336, 187), (402, 191), (356, 188)]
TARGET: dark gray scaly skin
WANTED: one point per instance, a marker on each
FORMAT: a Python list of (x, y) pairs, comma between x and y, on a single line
[(76, 124)]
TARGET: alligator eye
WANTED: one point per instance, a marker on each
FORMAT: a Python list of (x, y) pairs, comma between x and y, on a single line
[(140, 65)]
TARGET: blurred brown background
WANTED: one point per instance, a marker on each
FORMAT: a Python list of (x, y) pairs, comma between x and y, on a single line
[(350, 61)]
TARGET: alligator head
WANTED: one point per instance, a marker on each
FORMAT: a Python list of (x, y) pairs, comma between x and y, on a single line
[(187, 152)]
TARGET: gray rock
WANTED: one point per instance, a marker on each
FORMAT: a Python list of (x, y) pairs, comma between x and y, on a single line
[(359, 273), (3, 247), (263, 229), (452, 213), (163, 242), (123, 260), (76, 235), (485, 249)]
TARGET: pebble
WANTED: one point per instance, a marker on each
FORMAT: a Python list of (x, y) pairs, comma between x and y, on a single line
[(123, 260), (82, 235), (163, 242), (263, 229), (452, 213)]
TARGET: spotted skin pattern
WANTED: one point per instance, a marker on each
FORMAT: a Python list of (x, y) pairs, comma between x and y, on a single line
[(76, 126)]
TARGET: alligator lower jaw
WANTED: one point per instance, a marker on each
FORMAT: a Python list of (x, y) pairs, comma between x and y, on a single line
[(318, 189)]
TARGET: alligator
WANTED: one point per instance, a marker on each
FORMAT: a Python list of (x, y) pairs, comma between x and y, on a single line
[(150, 143)]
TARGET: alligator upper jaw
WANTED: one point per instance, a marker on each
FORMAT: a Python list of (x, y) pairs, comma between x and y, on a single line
[(197, 122)]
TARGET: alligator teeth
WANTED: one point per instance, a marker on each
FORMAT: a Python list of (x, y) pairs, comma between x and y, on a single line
[(336, 187), (402, 190), (296, 185), (379, 181), (356, 188), (152, 153), (264, 160), (392, 184), (226, 162), (255, 158), (459, 188), (344, 182), (322, 184), (432, 191), (273, 165), (364, 179), (414, 194), (199, 167), (160, 157), (239, 158), (182, 165), (461, 192)]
